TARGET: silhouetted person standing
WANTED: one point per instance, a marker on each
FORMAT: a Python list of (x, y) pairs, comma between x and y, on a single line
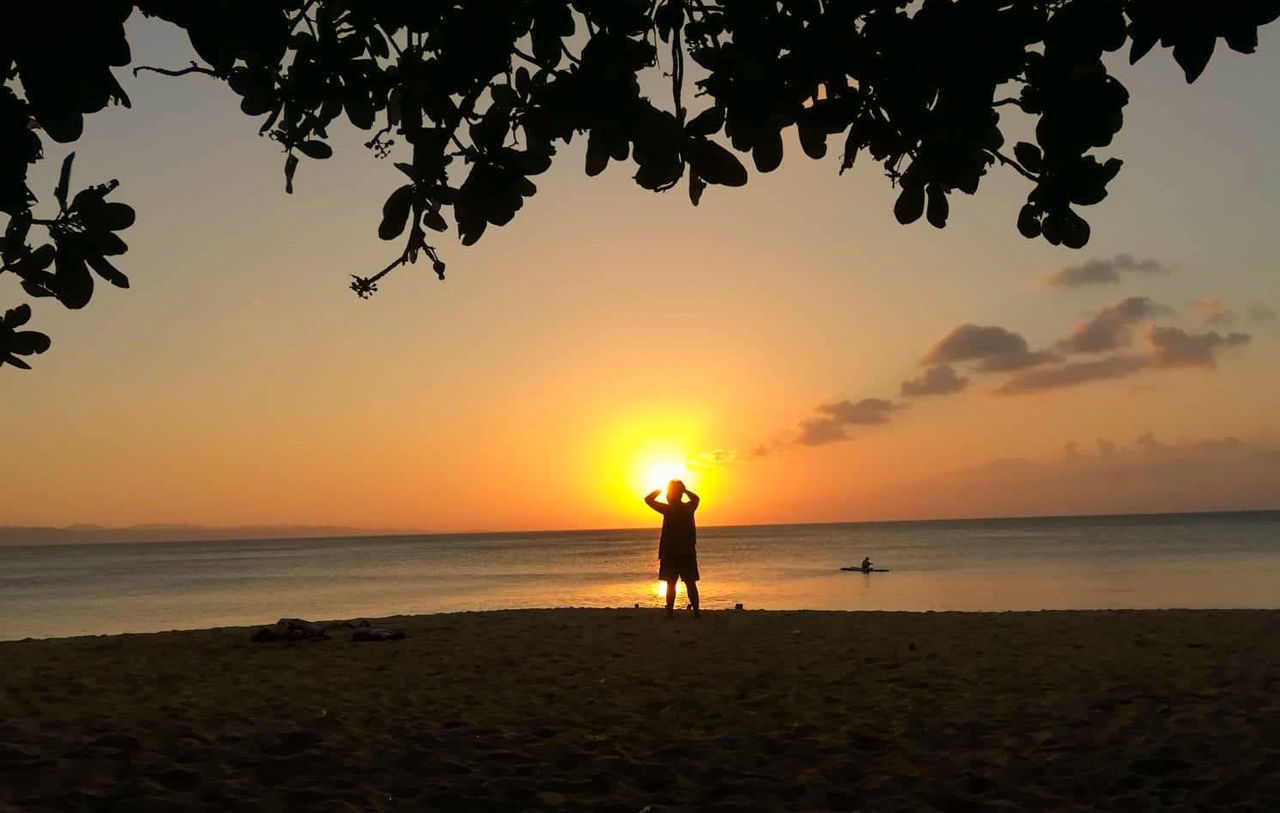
[(678, 546)]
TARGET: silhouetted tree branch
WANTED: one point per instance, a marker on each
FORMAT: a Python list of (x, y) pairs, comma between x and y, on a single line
[(501, 84), (192, 68)]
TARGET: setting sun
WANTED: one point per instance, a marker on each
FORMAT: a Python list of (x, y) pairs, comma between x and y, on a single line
[(657, 474)]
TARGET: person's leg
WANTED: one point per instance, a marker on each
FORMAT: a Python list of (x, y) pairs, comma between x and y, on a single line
[(671, 596), (692, 589)]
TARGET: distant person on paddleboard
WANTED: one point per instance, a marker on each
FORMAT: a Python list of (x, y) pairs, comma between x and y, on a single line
[(678, 545), (866, 562)]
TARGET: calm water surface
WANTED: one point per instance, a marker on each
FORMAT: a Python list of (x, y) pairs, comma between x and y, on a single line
[(1184, 560)]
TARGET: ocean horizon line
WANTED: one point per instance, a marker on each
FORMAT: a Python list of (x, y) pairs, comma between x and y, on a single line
[(159, 533)]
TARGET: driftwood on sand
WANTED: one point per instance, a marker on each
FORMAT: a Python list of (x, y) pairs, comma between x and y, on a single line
[(293, 629), (365, 631), (298, 629)]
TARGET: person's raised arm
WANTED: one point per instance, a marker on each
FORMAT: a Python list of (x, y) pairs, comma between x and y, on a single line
[(651, 499), (694, 499)]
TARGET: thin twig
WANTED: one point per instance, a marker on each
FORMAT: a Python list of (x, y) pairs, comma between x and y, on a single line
[(194, 68), (391, 40), (530, 59), (404, 258), (1006, 160), (677, 72)]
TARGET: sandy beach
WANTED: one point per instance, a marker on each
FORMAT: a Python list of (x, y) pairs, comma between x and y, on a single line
[(622, 710)]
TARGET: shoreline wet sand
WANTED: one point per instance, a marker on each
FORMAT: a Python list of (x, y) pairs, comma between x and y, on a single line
[(616, 710)]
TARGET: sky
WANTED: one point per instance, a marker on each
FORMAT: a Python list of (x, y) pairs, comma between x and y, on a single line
[(787, 347)]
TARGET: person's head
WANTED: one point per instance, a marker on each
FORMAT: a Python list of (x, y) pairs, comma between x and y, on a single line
[(675, 490)]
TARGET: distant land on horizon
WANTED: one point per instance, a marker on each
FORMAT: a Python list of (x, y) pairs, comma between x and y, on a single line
[(84, 533), (81, 533)]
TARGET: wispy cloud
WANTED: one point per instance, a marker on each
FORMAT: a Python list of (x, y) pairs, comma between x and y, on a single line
[(1109, 335), (1143, 475), (993, 348), (1111, 328), (1166, 347), (1174, 347), (1259, 312), (1212, 311), (714, 459), (1102, 272), (938, 380), (830, 427), (1071, 374)]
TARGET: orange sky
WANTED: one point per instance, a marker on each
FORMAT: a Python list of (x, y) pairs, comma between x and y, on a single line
[(608, 329)]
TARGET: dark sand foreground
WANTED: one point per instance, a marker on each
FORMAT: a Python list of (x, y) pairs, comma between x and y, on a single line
[(616, 710)]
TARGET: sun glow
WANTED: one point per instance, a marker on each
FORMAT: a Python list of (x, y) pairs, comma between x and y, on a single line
[(658, 473), (662, 589)]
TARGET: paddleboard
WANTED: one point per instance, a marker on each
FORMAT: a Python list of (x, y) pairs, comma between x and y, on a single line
[(866, 570)]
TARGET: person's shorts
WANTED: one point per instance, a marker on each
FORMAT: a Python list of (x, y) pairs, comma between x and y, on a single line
[(684, 568)]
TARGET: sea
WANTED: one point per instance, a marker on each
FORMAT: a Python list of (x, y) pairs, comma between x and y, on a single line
[(1211, 560)]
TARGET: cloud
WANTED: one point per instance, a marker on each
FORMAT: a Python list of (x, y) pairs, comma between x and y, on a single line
[(714, 459), (1110, 328), (994, 348), (1142, 476), (1260, 313), (1167, 347), (1071, 374), (939, 380), (1210, 309), (820, 431), (838, 415), (1174, 347), (1102, 272)]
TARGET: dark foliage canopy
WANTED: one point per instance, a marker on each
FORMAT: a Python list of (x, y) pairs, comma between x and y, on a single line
[(470, 98)]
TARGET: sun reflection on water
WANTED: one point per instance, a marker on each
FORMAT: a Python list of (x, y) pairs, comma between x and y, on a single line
[(662, 589)]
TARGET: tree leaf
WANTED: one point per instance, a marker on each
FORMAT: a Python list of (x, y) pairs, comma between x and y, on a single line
[(1075, 231), (15, 236), (1193, 54), (114, 216), (938, 208), (359, 111), (1029, 156), (706, 123), (290, 165), (15, 317), (316, 149), (28, 342), (395, 213), (433, 220), (107, 271), (64, 181), (597, 153), (813, 139), (42, 257), (767, 153), (714, 163), (1243, 40), (696, 187), (1143, 42), (74, 284), (106, 243), (470, 225), (910, 204)]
